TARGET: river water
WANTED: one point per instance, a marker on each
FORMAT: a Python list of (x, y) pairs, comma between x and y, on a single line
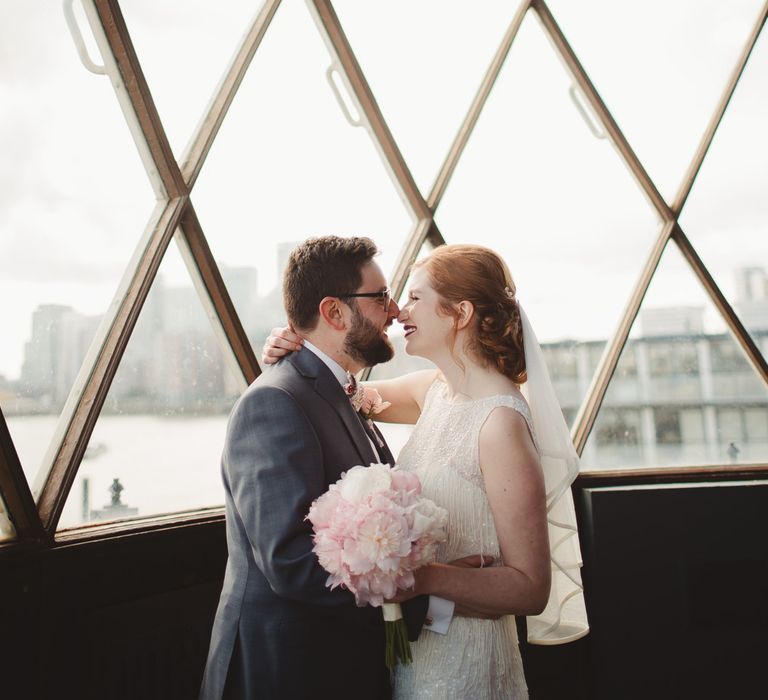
[(165, 464)]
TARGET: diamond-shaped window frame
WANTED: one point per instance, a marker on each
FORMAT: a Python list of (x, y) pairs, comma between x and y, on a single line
[(174, 215)]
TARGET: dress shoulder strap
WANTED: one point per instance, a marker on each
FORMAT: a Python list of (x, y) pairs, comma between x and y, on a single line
[(514, 402), (433, 391)]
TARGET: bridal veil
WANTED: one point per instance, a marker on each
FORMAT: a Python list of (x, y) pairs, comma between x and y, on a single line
[(565, 617)]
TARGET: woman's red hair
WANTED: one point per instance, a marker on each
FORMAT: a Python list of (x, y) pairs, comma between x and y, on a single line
[(478, 275)]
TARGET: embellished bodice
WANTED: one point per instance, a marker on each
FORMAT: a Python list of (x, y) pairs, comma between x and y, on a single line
[(443, 451), (477, 658)]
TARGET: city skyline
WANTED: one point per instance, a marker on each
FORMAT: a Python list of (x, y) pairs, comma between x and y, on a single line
[(534, 183), (174, 361)]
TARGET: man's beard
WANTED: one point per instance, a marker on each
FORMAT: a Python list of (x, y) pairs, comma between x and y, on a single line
[(365, 343)]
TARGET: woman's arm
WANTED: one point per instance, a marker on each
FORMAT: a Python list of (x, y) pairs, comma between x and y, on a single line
[(514, 484), (405, 394)]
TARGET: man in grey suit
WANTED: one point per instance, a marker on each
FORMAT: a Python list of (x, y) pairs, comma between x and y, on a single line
[(279, 631)]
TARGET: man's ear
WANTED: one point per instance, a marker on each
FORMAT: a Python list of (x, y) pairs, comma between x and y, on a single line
[(331, 313), (466, 311)]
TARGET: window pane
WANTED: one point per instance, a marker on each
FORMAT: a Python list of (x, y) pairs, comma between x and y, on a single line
[(696, 398), (667, 421), (625, 388), (756, 424), (692, 425), (287, 165), (75, 202), (7, 531), (564, 361), (729, 425), (619, 428), (425, 86), (673, 369), (558, 204), (726, 215), (184, 47), (157, 443), (732, 375), (660, 67)]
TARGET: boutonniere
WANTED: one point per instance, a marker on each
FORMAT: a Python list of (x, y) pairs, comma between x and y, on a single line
[(368, 402), (371, 403), (355, 393)]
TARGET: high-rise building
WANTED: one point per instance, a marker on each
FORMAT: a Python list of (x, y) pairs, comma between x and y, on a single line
[(242, 283), (54, 353), (283, 252), (752, 298), (41, 356)]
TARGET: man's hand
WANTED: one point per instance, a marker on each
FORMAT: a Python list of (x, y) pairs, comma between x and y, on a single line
[(279, 343)]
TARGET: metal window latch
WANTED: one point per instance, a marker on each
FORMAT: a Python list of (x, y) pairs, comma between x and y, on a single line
[(586, 115), (77, 37)]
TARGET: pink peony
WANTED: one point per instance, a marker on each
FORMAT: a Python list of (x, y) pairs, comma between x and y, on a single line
[(373, 529), (405, 481), (329, 554), (360, 482), (322, 511)]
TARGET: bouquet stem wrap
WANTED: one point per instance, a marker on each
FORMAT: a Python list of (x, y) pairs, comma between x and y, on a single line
[(398, 647)]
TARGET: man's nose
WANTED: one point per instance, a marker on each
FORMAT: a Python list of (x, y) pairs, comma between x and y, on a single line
[(394, 309)]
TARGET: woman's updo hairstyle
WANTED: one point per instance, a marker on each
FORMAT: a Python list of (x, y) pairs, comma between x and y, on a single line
[(478, 275)]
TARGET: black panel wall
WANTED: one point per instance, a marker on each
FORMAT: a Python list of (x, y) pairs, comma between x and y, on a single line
[(677, 593), (677, 590), (124, 617)]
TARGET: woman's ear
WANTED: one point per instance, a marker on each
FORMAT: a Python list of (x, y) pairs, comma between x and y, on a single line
[(332, 314), (465, 311)]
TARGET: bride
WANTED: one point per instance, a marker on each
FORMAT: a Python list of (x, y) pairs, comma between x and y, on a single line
[(477, 450)]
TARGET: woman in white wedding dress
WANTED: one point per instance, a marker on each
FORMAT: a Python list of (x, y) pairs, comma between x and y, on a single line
[(476, 453)]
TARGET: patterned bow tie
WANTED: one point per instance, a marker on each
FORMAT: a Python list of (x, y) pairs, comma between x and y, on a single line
[(354, 391)]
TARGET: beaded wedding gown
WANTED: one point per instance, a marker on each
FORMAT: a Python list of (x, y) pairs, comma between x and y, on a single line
[(477, 659)]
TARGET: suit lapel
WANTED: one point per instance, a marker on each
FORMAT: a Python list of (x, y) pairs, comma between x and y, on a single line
[(329, 388)]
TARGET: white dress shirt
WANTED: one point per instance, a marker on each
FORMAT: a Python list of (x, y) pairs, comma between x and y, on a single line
[(440, 611)]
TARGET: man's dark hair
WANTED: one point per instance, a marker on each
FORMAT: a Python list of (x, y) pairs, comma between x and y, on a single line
[(321, 267)]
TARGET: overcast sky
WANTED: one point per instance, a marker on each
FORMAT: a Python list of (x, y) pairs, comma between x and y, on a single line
[(534, 182)]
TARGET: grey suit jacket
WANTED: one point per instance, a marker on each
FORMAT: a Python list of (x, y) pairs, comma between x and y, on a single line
[(279, 632)]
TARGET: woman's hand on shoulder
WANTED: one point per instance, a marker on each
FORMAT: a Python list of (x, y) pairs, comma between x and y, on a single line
[(279, 343)]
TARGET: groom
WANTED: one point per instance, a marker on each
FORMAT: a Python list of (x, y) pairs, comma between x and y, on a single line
[(279, 631)]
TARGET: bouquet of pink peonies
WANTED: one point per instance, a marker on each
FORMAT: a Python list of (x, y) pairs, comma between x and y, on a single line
[(373, 529)]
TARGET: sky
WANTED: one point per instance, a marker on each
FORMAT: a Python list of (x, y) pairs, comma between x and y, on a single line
[(534, 182)]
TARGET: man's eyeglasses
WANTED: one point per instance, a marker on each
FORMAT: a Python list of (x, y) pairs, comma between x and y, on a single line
[(385, 295)]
